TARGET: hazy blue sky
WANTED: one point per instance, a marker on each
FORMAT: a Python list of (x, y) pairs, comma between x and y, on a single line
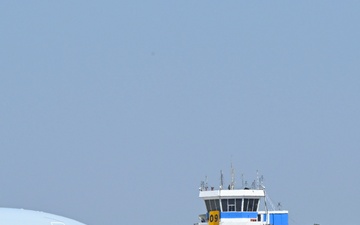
[(112, 112)]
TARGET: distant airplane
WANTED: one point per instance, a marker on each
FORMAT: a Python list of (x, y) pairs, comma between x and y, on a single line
[(10, 216)]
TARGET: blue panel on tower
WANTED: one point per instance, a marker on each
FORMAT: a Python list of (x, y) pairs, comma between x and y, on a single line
[(239, 215), (278, 219)]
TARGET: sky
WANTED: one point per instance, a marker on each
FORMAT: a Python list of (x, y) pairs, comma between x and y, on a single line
[(115, 111)]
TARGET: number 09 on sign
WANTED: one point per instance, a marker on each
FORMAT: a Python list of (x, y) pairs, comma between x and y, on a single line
[(214, 217)]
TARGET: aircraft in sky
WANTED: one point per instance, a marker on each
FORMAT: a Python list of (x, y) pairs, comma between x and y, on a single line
[(10, 216)]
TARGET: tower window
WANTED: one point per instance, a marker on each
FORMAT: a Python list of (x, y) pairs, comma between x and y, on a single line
[(212, 205), (231, 205), (251, 204)]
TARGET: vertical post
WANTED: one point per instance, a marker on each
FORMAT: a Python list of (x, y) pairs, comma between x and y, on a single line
[(221, 180)]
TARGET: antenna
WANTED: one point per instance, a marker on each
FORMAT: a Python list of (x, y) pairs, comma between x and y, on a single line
[(232, 185), (253, 185), (242, 181), (221, 180), (206, 184), (261, 182)]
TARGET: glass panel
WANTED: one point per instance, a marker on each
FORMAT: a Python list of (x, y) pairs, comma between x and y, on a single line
[(207, 203), (224, 204), (256, 204), (231, 204), (217, 205), (246, 203), (231, 208), (212, 205), (251, 204), (238, 205)]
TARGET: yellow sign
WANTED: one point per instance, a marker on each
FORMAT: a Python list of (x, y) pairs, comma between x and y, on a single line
[(214, 217)]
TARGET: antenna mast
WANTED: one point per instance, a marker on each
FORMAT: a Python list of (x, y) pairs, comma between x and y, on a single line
[(232, 185), (221, 180), (242, 181)]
